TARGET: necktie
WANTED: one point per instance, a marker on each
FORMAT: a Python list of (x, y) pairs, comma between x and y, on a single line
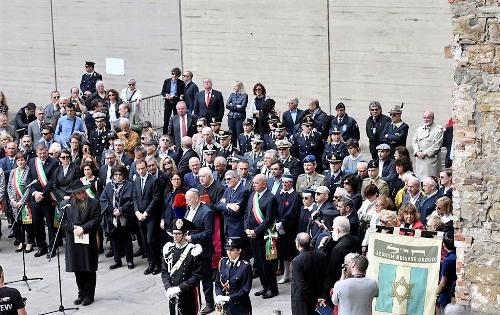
[(142, 184), (208, 96), (183, 126), (12, 163), (308, 181), (340, 121), (40, 125), (244, 182)]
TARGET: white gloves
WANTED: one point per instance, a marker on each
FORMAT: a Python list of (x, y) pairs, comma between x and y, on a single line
[(221, 299), (173, 292), (279, 228)]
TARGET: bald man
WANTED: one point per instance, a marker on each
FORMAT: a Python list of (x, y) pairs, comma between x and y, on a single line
[(426, 143)]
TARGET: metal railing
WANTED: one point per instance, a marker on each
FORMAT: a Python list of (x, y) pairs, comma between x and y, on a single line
[(151, 109)]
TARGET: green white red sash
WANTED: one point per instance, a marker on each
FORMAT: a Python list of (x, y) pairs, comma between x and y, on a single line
[(271, 236), (20, 190), (40, 172), (257, 213), (86, 182)]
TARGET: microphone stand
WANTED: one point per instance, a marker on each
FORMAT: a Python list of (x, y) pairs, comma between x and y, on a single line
[(61, 308), (25, 278)]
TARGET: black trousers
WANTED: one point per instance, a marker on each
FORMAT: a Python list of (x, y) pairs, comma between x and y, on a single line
[(151, 241), (121, 242), (86, 282), (167, 113), (207, 280), (43, 213), (24, 233), (187, 302), (265, 268)]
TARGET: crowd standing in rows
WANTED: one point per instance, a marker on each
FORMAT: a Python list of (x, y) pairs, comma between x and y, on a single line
[(288, 191)]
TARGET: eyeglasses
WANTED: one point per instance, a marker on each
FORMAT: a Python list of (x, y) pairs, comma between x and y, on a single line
[(336, 197), (167, 162), (175, 74), (64, 157), (131, 84), (392, 115), (374, 109), (306, 198), (111, 94), (319, 194), (258, 89), (56, 97), (347, 183), (199, 125)]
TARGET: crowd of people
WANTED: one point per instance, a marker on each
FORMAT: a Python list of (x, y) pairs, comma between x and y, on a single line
[(287, 191)]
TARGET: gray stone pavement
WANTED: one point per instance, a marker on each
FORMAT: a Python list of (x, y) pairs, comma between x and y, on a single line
[(121, 291)]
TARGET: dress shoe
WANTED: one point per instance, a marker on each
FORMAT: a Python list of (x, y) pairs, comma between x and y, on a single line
[(207, 310), (78, 301), (156, 271), (138, 253), (29, 248), (130, 265), (51, 254), (269, 294), (261, 292), (115, 265), (41, 252), (109, 253), (283, 280), (16, 243), (149, 270), (87, 301), (20, 248)]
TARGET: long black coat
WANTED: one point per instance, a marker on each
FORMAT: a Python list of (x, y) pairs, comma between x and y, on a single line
[(307, 281), (80, 257), (288, 214), (126, 204)]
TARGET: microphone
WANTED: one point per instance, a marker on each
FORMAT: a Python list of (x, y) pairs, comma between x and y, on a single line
[(32, 183)]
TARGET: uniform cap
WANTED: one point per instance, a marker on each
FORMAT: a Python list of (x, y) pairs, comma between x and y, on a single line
[(340, 106), (98, 116), (309, 159), (89, 63), (234, 242), (334, 158), (372, 164), (248, 121), (280, 144)]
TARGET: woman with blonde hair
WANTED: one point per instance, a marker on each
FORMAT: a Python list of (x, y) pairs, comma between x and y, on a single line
[(237, 106), (168, 166), (443, 210), (198, 137)]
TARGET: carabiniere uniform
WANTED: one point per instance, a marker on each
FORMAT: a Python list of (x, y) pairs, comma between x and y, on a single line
[(235, 281), (182, 268)]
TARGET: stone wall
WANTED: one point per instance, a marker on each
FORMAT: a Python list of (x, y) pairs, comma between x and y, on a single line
[(476, 108)]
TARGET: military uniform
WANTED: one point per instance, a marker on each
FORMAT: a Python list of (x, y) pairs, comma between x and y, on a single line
[(255, 160), (348, 127), (294, 166), (244, 142), (306, 181), (234, 280), (97, 139), (382, 186), (333, 181), (182, 268), (308, 144), (89, 80), (227, 152)]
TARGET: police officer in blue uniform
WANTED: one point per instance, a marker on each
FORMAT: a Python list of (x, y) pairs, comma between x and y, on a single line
[(334, 176), (347, 125), (89, 79), (308, 142), (234, 281), (245, 138)]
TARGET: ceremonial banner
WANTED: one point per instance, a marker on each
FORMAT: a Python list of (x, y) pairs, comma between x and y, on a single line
[(407, 271)]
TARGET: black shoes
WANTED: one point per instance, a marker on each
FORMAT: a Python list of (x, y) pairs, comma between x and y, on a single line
[(261, 292), (87, 301), (109, 253), (51, 254), (149, 270), (41, 252), (156, 271), (78, 301), (115, 265), (269, 294), (138, 253), (130, 265)]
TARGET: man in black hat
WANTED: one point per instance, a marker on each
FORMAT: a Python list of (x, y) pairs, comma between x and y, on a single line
[(97, 137), (182, 269), (89, 79), (333, 176), (226, 148), (396, 132), (82, 218), (244, 139), (234, 281), (308, 142), (255, 157), (347, 125)]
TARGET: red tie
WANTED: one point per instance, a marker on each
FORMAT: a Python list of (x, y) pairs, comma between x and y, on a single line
[(208, 99), (183, 127)]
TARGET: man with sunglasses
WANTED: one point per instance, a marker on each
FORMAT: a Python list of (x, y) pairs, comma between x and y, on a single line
[(89, 79), (396, 132), (190, 90), (375, 125), (171, 91)]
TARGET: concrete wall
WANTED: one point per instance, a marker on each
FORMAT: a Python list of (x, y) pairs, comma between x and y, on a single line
[(145, 35)]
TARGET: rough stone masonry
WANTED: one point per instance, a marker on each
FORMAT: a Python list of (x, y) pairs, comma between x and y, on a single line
[(476, 108)]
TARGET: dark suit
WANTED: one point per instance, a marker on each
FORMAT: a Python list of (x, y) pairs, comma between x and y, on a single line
[(214, 110), (244, 143), (191, 181), (388, 170), (43, 210), (321, 121), (147, 200), (288, 121), (62, 182), (183, 161), (22, 120), (307, 282), (126, 160), (204, 220), (233, 220), (190, 91), (428, 206), (174, 130), (328, 212), (294, 166), (247, 182), (418, 203), (289, 205), (345, 245), (374, 129), (103, 173), (170, 104), (348, 127), (97, 142), (265, 268), (395, 136)]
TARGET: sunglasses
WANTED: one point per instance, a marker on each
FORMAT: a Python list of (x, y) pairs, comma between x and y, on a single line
[(374, 109), (176, 74), (131, 84), (199, 125), (258, 89), (64, 157), (57, 97)]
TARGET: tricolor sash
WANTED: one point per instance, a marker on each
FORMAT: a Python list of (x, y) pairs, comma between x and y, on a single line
[(42, 177), (86, 182), (20, 189), (257, 213), (271, 236)]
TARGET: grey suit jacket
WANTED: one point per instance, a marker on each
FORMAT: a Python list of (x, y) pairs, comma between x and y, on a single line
[(34, 131), (174, 130)]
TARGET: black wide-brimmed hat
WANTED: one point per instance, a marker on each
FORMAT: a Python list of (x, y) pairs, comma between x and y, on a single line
[(183, 225), (76, 186)]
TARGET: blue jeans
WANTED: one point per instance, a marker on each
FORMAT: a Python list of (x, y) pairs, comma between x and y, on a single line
[(236, 127)]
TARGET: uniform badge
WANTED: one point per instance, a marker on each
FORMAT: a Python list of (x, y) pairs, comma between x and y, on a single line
[(179, 223), (230, 242)]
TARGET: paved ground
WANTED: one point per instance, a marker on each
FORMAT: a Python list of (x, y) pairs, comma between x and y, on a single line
[(121, 291)]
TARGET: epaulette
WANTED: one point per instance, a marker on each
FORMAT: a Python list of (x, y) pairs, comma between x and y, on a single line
[(167, 247), (196, 250)]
